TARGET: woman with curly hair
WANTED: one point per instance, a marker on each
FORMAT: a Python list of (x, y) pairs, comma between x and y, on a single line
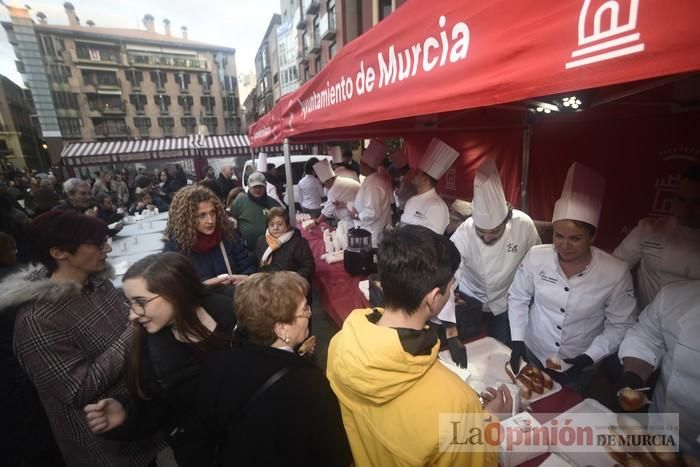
[(198, 227)]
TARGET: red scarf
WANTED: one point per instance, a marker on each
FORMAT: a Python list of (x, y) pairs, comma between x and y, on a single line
[(205, 243)]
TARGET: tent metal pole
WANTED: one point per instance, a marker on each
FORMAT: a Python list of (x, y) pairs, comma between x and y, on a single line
[(527, 135), (290, 180)]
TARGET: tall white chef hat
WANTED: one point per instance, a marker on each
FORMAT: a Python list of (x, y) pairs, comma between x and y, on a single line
[(437, 159), (323, 170), (261, 164), (489, 207), (398, 158), (374, 154), (336, 154), (582, 196)]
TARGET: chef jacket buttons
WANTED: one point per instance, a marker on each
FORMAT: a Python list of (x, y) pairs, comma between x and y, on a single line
[(562, 310), (559, 327), (566, 289), (557, 344)]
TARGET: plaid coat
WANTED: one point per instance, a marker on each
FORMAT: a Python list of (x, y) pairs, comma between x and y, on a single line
[(72, 343)]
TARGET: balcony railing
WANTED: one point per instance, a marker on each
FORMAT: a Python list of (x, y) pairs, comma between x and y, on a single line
[(167, 61), (111, 131), (314, 45), (108, 108), (97, 55), (326, 26)]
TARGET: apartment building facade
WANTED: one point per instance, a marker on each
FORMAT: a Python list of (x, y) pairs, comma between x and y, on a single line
[(92, 83)]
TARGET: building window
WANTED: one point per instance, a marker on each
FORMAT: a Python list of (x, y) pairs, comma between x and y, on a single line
[(100, 78), (230, 83), (332, 48), (163, 102), (139, 101), (134, 77), (50, 46), (385, 9), (59, 73), (186, 103), (232, 125), (317, 63), (208, 103), (70, 127), (229, 104), (65, 100), (206, 81), (211, 123), (189, 123), (96, 53), (143, 124), (159, 78), (110, 127), (183, 80), (167, 124)]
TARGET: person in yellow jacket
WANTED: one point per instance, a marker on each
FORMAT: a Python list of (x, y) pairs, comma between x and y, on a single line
[(382, 366)]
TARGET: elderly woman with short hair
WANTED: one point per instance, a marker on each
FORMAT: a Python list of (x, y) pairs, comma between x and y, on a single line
[(199, 228), (267, 404)]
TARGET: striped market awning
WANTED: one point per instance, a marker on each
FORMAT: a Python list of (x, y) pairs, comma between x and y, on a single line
[(86, 153)]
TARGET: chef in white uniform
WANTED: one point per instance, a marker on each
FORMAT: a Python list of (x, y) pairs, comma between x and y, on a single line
[(373, 201), (492, 243), (667, 249), (399, 170), (261, 165), (341, 195), (426, 208), (571, 300), (339, 167), (668, 336)]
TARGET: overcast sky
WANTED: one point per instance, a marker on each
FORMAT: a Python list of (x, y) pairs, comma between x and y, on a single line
[(240, 24)]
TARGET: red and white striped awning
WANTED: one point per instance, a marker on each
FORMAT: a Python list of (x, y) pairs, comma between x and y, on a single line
[(140, 150)]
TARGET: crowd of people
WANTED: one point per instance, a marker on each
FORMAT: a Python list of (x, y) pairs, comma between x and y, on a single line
[(206, 346)]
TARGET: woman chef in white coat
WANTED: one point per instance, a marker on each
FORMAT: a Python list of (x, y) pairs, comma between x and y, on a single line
[(570, 300), (668, 335)]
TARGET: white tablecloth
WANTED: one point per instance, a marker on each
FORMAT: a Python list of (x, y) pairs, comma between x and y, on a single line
[(145, 226), (140, 244)]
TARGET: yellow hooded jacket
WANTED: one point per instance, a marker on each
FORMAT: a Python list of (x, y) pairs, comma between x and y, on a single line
[(391, 400)]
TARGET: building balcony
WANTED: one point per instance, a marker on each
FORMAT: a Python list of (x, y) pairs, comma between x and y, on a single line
[(166, 61), (102, 131), (314, 46), (326, 26), (101, 57), (311, 7)]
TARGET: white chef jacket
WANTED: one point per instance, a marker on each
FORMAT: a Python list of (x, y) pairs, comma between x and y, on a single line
[(668, 335), (587, 313), (373, 204), (310, 192), (427, 209), (272, 193), (341, 171), (665, 251), (345, 190), (488, 270)]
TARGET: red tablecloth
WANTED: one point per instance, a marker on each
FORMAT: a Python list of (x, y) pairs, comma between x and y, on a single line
[(339, 290)]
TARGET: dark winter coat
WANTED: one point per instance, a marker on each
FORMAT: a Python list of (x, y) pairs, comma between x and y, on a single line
[(168, 378), (295, 255), (295, 422), (212, 264)]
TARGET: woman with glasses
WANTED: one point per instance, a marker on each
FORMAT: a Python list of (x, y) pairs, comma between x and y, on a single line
[(179, 323), (199, 228), (267, 404)]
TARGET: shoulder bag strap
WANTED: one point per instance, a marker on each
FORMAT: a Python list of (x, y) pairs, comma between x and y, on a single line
[(223, 252)]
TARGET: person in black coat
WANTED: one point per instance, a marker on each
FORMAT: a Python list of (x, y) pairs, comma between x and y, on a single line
[(282, 248), (266, 403), (180, 323)]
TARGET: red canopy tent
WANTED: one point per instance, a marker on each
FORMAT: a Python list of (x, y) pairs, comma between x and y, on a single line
[(449, 68)]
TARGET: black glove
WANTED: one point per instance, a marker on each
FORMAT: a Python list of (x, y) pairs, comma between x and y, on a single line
[(518, 352), (458, 351), (579, 363), (630, 380)]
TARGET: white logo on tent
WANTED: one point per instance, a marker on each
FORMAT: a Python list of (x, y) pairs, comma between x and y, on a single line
[(615, 38)]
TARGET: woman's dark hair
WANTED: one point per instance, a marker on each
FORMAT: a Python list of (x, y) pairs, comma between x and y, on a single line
[(585, 225), (309, 166), (172, 276), (64, 229), (277, 212), (412, 261)]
